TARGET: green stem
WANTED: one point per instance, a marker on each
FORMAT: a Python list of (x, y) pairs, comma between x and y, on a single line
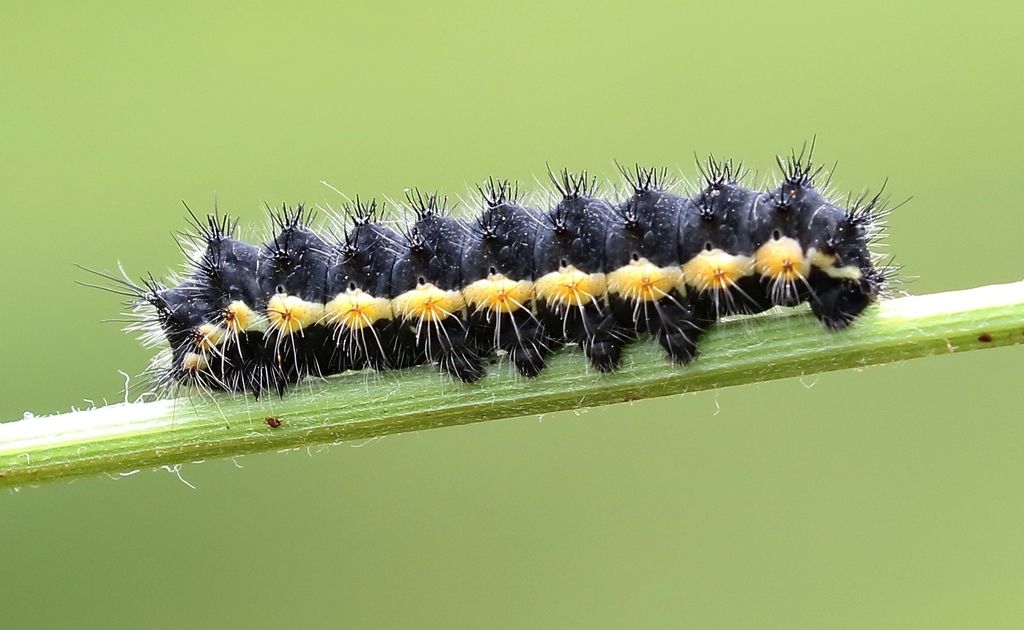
[(359, 406)]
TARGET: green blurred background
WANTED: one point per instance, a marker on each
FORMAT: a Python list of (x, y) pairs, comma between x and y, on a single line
[(888, 498)]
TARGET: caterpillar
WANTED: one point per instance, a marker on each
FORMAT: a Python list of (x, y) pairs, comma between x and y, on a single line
[(515, 279)]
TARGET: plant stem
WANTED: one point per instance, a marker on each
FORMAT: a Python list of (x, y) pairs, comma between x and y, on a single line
[(131, 436)]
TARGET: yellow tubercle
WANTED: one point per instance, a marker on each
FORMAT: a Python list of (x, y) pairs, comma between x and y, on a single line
[(498, 293), (820, 259), (571, 287), (355, 309), (826, 262), (428, 303), (782, 259), (289, 314), (643, 281), (209, 336), (239, 318), (194, 362), (716, 270)]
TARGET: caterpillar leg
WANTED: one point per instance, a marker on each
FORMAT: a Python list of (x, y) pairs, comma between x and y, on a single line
[(592, 326), (520, 333), (670, 319), (603, 342), (380, 346), (527, 343), (462, 364), (836, 303), (677, 331), (447, 344), (530, 358)]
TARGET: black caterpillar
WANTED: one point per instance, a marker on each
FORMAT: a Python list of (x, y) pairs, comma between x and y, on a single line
[(454, 291)]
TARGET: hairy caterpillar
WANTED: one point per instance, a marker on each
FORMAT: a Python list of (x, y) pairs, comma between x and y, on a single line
[(514, 279)]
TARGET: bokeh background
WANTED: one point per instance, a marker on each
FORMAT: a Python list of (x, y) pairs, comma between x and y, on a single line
[(888, 498)]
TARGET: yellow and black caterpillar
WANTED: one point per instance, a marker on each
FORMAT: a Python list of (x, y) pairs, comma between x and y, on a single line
[(454, 291)]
